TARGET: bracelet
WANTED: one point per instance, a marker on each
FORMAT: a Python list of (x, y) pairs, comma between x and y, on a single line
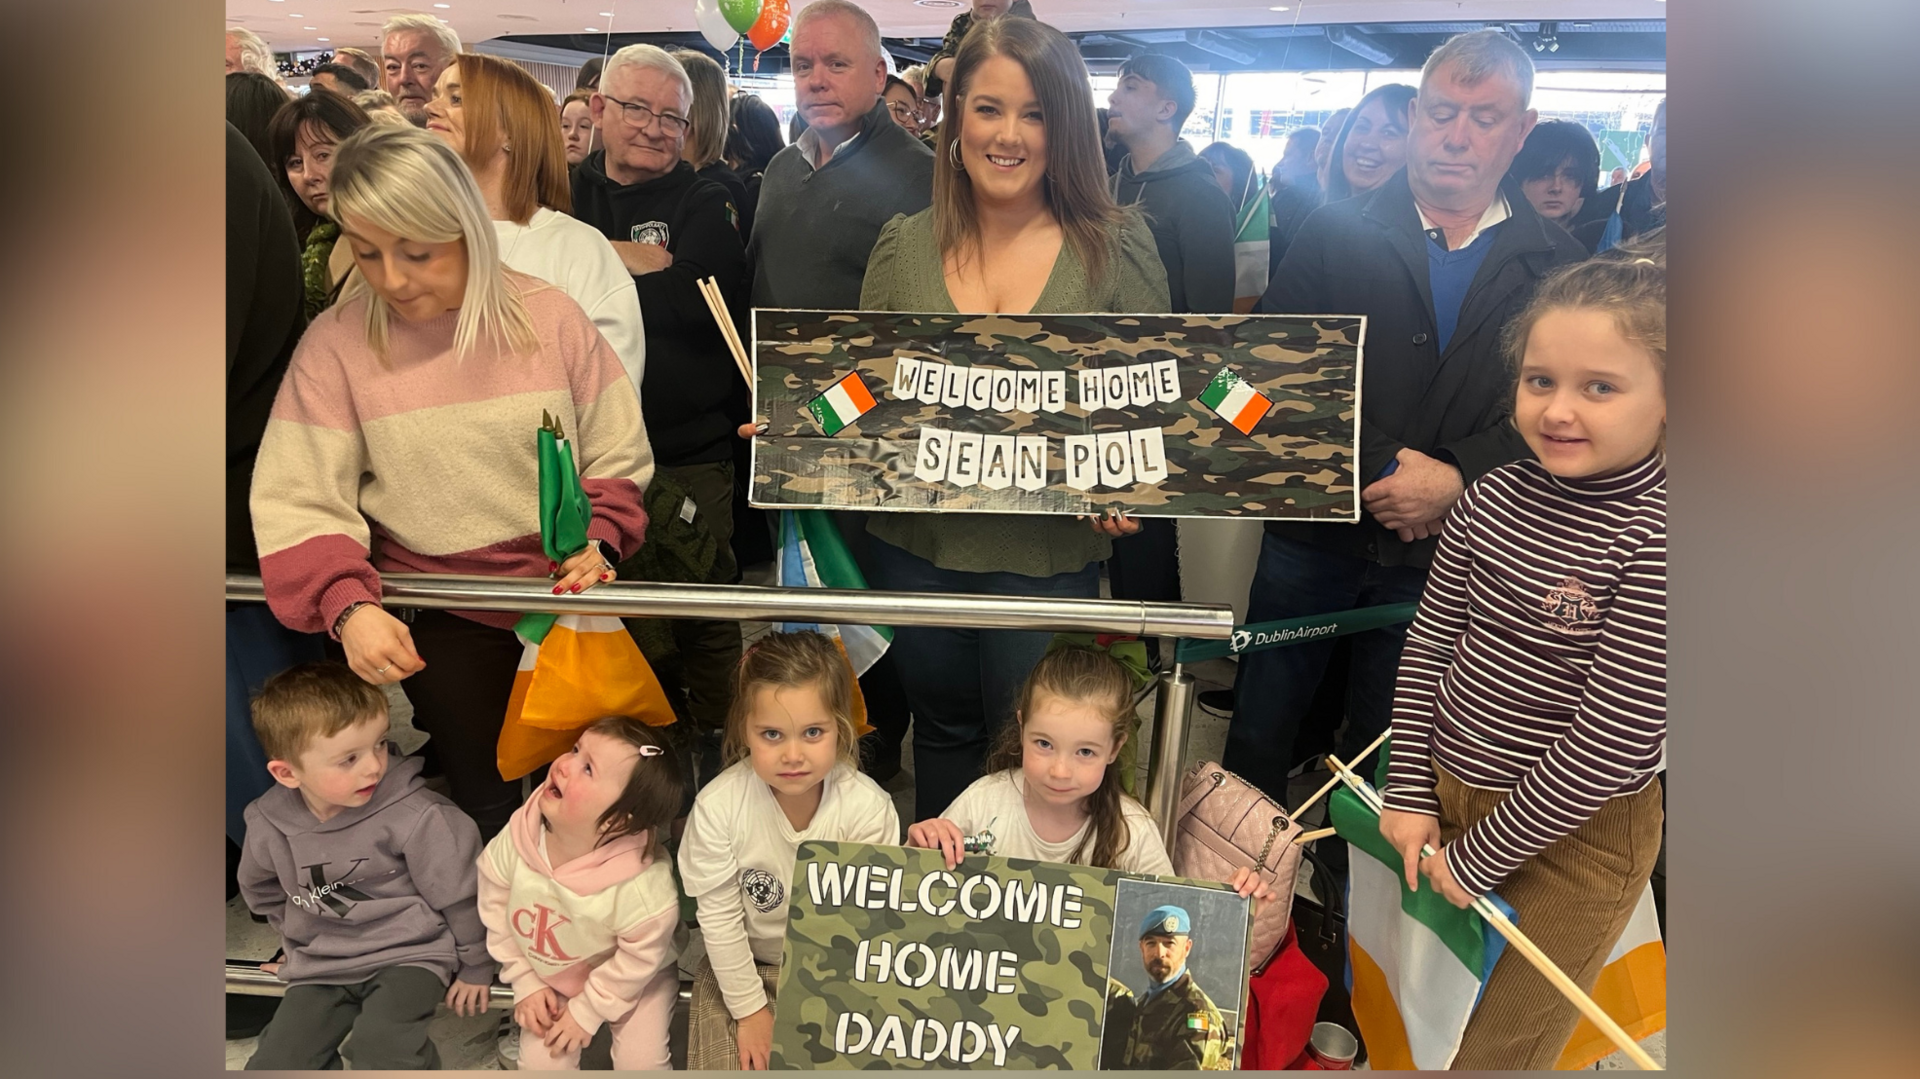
[(340, 623)]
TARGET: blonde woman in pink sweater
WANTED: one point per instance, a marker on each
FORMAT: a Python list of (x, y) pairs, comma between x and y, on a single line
[(402, 441)]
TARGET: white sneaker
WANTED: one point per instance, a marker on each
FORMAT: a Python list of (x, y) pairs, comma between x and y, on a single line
[(506, 1045)]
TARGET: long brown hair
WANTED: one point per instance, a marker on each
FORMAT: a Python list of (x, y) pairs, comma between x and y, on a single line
[(503, 104), (1094, 679), (1076, 178), (792, 660)]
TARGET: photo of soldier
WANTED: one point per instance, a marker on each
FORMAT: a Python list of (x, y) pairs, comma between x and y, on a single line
[(1174, 978)]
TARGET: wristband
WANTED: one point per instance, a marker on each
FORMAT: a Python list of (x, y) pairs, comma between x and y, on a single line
[(340, 623)]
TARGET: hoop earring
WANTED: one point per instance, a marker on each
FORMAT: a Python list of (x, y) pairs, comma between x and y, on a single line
[(953, 155)]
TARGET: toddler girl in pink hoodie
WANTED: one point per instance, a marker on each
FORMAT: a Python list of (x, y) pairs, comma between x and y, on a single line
[(581, 909)]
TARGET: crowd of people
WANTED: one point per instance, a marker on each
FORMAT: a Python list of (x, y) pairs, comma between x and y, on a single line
[(429, 244)]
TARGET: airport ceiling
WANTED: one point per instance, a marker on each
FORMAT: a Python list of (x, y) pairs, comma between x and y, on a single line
[(1209, 35)]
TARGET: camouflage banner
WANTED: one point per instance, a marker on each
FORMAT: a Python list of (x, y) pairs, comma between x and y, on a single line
[(894, 961), (1156, 415)]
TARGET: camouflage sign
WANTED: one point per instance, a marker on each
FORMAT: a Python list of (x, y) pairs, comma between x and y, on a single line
[(1159, 415), (894, 961)]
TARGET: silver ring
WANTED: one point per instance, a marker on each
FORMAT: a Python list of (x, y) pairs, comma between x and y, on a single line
[(383, 670)]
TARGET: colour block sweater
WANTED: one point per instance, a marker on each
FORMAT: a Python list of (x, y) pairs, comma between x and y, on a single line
[(426, 463), (598, 929), (1538, 661), (387, 884), (736, 860)]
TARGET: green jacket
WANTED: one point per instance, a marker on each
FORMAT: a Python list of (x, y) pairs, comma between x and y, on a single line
[(1179, 1029), (904, 274)]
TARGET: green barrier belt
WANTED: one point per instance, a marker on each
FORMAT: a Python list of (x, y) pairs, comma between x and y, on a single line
[(1261, 636)]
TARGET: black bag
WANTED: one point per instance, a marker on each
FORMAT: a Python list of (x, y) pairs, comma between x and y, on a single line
[(1320, 924)]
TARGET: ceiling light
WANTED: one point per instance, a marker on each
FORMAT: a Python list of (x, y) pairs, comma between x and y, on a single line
[(309, 28), (606, 14), (1280, 8), (323, 39), (594, 29), (443, 5)]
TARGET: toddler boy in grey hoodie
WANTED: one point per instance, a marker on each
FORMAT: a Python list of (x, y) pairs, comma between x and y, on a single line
[(369, 878)]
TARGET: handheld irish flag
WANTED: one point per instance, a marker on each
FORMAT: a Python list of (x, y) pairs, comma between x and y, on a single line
[(813, 555), (574, 669), (1237, 402), (842, 405), (1416, 964), (1251, 247)]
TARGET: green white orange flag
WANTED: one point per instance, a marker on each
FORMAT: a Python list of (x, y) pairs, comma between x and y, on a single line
[(842, 404), (1416, 963), (1251, 248), (1237, 402)]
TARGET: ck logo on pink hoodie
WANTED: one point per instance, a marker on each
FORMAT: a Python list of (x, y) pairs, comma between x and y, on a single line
[(537, 926)]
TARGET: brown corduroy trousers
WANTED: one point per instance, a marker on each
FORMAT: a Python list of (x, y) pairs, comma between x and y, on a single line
[(1573, 900)]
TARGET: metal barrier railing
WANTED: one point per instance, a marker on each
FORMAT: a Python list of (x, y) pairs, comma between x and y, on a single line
[(1173, 705), (248, 980)]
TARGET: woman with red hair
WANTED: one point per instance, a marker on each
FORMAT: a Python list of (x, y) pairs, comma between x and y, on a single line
[(504, 124)]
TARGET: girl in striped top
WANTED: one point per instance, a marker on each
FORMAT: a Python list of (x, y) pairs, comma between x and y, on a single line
[(1530, 714)]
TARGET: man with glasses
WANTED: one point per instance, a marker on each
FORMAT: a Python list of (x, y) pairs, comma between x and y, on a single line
[(673, 229)]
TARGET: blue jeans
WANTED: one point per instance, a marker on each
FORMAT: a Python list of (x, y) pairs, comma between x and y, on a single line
[(961, 683), (258, 647), (1274, 688)]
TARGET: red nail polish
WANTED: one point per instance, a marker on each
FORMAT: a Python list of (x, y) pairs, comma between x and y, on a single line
[(556, 590), (575, 588)]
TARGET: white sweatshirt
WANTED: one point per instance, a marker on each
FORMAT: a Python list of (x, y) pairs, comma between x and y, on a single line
[(997, 804), (574, 256), (736, 858)]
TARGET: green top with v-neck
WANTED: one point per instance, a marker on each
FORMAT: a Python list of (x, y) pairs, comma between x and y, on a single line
[(905, 273)]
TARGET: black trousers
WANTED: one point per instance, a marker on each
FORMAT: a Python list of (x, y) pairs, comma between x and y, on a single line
[(461, 699), (387, 1015)]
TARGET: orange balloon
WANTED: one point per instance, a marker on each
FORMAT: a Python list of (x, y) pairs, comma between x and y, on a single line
[(771, 26)]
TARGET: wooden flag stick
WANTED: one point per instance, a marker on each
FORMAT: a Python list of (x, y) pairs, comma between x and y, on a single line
[(1335, 781), (1318, 833), (1549, 970), (717, 306)]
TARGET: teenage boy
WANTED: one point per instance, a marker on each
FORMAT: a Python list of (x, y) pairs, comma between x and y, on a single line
[(1191, 219), (368, 877)]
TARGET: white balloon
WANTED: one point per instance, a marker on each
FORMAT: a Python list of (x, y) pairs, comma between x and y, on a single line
[(713, 25)]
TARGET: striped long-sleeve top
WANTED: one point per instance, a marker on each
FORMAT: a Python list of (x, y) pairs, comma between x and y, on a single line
[(425, 462), (1538, 661)]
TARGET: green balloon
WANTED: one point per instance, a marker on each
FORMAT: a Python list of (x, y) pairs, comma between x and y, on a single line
[(740, 14)]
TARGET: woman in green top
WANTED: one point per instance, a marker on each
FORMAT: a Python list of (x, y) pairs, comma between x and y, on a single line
[(1021, 222)]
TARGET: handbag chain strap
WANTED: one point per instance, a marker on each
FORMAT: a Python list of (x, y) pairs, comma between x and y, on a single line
[(1279, 825)]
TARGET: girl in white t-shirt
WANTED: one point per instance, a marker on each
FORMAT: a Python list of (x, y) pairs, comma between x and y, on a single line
[(1052, 789), (792, 776)]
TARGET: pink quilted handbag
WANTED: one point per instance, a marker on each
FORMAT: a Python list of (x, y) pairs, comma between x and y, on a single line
[(1225, 823)]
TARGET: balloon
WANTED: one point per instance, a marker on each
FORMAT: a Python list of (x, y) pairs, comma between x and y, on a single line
[(767, 30), (740, 13), (713, 25)]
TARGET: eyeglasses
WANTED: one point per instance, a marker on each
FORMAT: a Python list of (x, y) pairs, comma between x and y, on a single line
[(639, 116), (900, 109)]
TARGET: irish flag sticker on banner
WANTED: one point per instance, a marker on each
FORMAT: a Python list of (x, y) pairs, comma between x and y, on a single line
[(842, 405), (1235, 401)]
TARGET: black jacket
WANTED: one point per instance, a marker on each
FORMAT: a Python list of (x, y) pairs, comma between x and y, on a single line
[(1192, 224), (1639, 212), (264, 322), (1368, 256), (815, 227), (690, 373)]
